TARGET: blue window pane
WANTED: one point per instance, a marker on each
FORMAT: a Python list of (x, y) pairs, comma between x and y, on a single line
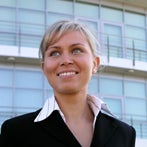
[(7, 3), (114, 105), (135, 89), (32, 29), (136, 38), (60, 6), (136, 108), (111, 86), (47, 85), (31, 17), (135, 19), (7, 14), (81, 10), (6, 95), (93, 86), (92, 26), (56, 17), (31, 4), (9, 27), (114, 32), (111, 14), (29, 79), (28, 98), (30, 41), (6, 77)]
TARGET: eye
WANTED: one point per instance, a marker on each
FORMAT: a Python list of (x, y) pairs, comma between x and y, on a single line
[(54, 53), (76, 51)]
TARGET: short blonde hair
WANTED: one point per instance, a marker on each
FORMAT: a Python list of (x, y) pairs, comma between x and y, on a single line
[(59, 28)]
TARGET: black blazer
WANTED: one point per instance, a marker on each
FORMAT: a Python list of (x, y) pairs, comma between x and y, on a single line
[(21, 131)]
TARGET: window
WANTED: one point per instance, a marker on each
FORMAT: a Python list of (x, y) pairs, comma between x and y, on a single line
[(110, 86), (81, 10), (10, 3), (56, 17), (136, 108), (28, 79), (113, 39), (135, 89), (111, 14), (32, 4), (59, 6), (114, 105), (134, 19), (93, 86), (7, 20), (6, 78)]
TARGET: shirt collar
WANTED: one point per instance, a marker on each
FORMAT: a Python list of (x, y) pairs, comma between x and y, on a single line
[(50, 105)]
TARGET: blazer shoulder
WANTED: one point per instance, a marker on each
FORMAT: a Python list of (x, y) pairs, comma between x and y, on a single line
[(22, 119), (119, 123)]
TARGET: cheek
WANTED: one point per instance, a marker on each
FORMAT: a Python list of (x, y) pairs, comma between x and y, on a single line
[(48, 67)]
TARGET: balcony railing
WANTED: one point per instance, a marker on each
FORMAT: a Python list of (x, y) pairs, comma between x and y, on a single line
[(29, 35), (133, 49), (139, 125)]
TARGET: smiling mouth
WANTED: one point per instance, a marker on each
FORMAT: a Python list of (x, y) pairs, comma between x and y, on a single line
[(67, 74)]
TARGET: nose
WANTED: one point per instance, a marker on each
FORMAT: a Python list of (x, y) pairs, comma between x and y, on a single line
[(66, 59)]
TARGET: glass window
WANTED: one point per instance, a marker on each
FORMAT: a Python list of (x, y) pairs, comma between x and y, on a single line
[(30, 41), (135, 37), (134, 89), (27, 100), (6, 95), (32, 4), (55, 17), (7, 39), (111, 14), (91, 25), (32, 29), (28, 79), (114, 105), (135, 108), (7, 27), (6, 77), (7, 14), (59, 6), (114, 33), (7, 20), (31, 17), (93, 86), (110, 86), (8, 3), (47, 85), (81, 10), (113, 38), (134, 19)]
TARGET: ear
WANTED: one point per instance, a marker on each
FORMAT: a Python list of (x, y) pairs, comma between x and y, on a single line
[(96, 63)]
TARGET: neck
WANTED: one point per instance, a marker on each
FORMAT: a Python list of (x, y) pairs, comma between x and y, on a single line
[(74, 107)]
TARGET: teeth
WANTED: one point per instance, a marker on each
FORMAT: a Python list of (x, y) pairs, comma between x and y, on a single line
[(67, 73)]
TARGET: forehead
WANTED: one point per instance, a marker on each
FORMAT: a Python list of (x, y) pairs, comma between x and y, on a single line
[(72, 36)]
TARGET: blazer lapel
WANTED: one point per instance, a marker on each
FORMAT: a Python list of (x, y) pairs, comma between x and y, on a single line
[(55, 125), (104, 130)]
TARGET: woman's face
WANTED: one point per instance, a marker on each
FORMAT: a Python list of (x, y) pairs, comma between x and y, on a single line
[(69, 64)]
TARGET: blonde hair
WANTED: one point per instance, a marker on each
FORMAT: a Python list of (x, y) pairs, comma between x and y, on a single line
[(59, 28)]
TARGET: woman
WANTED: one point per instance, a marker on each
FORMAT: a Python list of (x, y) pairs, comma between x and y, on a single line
[(71, 117)]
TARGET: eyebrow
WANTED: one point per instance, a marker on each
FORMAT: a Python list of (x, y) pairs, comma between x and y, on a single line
[(72, 45)]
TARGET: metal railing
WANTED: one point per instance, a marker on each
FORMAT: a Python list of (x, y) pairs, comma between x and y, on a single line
[(139, 125), (135, 51), (29, 35)]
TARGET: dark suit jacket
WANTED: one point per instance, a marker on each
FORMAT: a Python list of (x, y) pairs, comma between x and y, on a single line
[(53, 132)]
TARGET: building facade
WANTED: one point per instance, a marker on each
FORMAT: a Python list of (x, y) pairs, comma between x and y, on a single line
[(119, 25)]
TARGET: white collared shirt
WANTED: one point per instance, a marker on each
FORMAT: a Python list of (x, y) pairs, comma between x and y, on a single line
[(51, 104)]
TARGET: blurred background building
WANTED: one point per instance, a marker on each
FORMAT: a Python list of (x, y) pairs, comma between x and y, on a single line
[(119, 25)]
